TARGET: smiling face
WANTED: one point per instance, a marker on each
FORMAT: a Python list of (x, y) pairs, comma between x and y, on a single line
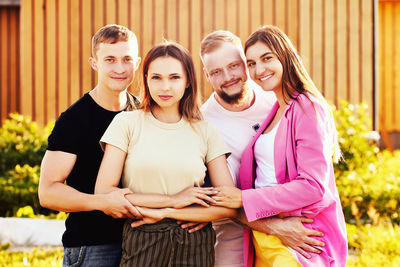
[(115, 65), (166, 79), (264, 67), (225, 69)]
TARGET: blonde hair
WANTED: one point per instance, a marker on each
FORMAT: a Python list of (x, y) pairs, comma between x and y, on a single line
[(214, 40)]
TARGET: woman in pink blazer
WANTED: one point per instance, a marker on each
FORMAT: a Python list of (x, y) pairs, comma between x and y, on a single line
[(299, 178)]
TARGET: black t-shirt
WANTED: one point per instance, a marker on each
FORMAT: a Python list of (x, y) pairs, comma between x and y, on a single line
[(78, 131)]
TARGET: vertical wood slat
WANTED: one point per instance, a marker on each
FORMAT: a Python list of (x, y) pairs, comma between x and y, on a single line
[(13, 55), (332, 38), (4, 14), (39, 62), (396, 69)]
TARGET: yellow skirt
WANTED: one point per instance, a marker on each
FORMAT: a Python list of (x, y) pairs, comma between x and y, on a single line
[(271, 252)]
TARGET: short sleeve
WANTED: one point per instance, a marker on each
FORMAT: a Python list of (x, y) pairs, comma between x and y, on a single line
[(119, 132), (64, 136), (216, 145)]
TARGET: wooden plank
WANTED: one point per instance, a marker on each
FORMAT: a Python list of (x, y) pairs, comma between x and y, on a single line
[(75, 47), (136, 27), (396, 69), (342, 52), (231, 16), (316, 36), (387, 67), (244, 20), (98, 15), (280, 16), (367, 54), (381, 63), (328, 86), (255, 18), (63, 55), (354, 50), (172, 26), (292, 21), (183, 24), (14, 58), (147, 26), (87, 19), (26, 57), (195, 39), (268, 12), (207, 19), (219, 11), (50, 76), (4, 56), (122, 12), (305, 34), (39, 62), (111, 11), (159, 18)]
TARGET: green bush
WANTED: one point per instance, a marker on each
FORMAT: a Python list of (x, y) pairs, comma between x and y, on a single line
[(22, 142), (374, 245), (18, 188), (38, 257)]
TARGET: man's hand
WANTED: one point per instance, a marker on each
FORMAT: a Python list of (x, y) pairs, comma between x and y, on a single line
[(195, 226), (117, 206), (193, 195), (294, 234), (229, 197)]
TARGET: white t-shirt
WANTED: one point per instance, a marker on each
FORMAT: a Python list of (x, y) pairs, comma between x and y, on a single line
[(264, 154), (237, 129)]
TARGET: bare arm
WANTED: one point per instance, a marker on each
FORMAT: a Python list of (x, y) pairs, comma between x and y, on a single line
[(55, 194), (110, 174), (289, 230)]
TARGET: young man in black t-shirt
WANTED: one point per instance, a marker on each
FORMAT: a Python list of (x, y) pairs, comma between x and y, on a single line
[(92, 238)]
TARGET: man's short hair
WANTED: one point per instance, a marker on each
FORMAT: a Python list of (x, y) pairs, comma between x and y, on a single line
[(213, 41), (111, 34)]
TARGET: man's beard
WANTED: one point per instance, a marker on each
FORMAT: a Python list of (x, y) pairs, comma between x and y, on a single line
[(235, 99)]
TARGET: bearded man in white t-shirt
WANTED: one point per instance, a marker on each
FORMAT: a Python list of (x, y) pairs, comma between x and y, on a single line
[(237, 107)]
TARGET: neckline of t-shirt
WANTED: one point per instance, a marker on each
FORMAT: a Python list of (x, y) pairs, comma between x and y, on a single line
[(238, 113), (165, 125), (100, 107)]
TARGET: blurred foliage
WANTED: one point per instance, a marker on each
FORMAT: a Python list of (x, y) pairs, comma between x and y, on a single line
[(368, 180), (22, 142), (374, 245), (38, 257)]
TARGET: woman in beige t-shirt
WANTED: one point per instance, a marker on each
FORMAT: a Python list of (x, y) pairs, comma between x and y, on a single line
[(161, 153)]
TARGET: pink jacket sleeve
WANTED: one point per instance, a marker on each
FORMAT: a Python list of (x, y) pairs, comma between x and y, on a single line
[(310, 158)]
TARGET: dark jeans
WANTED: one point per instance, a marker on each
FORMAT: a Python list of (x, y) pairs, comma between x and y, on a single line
[(108, 255)]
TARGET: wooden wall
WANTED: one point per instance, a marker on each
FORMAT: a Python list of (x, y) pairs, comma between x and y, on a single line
[(9, 61), (389, 65), (334, 38)]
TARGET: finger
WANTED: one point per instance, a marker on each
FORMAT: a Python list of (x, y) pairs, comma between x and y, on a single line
[(133, 211), (201, 202), (308, 248), (206, 198), (306, 220), (312, 232), (187, 225), (126, 191), (137, 223), (314, 242), (198, 227), (302, 252)]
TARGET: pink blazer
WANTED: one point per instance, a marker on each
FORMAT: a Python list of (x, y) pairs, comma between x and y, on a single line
[(303, 151)]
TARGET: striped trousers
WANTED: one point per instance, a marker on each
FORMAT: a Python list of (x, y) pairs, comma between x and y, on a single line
[(165, 243)]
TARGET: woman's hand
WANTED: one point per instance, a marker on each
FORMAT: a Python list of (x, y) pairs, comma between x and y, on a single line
[(150, 216), (228, 196), (193, 195)]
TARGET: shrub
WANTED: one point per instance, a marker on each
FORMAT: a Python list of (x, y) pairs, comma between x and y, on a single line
[(22, 142), (374, 245), (36, 257), (18, 188)]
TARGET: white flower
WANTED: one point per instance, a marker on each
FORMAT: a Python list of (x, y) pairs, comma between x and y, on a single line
[(351, 131), (373, 135)]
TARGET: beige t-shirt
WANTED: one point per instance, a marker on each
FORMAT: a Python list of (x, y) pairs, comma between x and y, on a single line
[(163, 158)]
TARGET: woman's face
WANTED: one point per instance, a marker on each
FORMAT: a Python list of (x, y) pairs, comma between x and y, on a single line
[(264, 67), (167, 81)]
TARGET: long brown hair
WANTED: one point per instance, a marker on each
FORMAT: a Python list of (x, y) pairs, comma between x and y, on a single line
[(295, 79), (190, 102)]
